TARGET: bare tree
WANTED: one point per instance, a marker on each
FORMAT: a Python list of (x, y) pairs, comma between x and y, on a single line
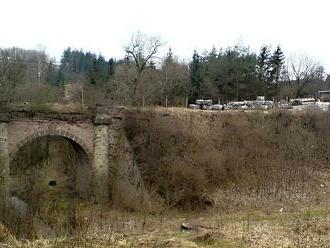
[(302, 70), (141, 49)]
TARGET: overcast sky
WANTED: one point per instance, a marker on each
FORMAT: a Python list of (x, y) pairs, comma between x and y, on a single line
[(104, 26)]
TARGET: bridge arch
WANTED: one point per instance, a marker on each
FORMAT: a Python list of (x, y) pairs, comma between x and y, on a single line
[(52, 132), (74, 179)]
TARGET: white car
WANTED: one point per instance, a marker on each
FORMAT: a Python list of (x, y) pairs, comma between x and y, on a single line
[(217, 107), (193, 106)]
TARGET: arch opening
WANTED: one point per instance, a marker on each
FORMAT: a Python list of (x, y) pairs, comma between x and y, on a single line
[(51, 174), (54, 160)]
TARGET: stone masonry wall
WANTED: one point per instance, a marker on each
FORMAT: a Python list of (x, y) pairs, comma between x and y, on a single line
[(115, 174), (19, 129), (127, 189), (4, 162), (101, 163)]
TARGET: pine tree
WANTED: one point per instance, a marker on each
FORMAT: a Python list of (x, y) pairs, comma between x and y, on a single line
[(195, 76), (111, 68), (263, 65), (213, 54), (169, 57), (51, 76), (276, 63), (92, 74)]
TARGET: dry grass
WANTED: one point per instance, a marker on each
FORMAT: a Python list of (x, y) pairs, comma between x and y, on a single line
[(305, 228), (244, 179), (236, 160)]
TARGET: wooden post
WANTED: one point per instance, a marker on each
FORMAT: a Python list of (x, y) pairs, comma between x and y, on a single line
[(186, 102), (166, 102)]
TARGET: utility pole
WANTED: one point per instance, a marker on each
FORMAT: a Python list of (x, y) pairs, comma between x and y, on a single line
[(39, 70), (39, 51), (82, 94)]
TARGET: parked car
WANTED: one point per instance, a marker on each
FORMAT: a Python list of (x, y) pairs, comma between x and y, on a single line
[(217, 107), (237, 105), (201, 104), (193, 106)]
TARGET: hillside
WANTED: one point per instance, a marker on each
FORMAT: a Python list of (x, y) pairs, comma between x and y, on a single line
[(214, 179), (232, 160)]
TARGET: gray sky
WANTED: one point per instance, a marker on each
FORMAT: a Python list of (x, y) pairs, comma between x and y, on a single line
[(105, 26)]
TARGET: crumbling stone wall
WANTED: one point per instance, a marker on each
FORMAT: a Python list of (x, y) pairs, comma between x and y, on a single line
[(4, 162), (101, 161), (127, 189)]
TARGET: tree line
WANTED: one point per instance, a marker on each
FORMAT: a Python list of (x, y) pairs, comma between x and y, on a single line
[(141, 77)]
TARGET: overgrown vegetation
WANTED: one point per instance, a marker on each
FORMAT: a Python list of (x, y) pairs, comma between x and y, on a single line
[(235, 179), (232, 160)]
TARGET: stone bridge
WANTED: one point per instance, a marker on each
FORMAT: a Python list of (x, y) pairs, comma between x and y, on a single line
[(92, 134)]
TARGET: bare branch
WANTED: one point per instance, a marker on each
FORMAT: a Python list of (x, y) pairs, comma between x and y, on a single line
[(301, 70), (142, 49)]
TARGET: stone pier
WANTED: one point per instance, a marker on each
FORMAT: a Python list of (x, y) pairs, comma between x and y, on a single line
[(4, 162), (101, 157)]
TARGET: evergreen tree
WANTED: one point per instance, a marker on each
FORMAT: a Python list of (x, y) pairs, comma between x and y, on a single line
[(195, 68), (212, 55), (77, 65), (65, 60), (236, 74), (263, 65), (169, 57), (51, 74), (60, 77), (93, 72), (276, 63), (111, 68)]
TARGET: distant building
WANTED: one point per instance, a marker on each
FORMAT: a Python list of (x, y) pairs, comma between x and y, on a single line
[(324, 95), (302, 101)]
